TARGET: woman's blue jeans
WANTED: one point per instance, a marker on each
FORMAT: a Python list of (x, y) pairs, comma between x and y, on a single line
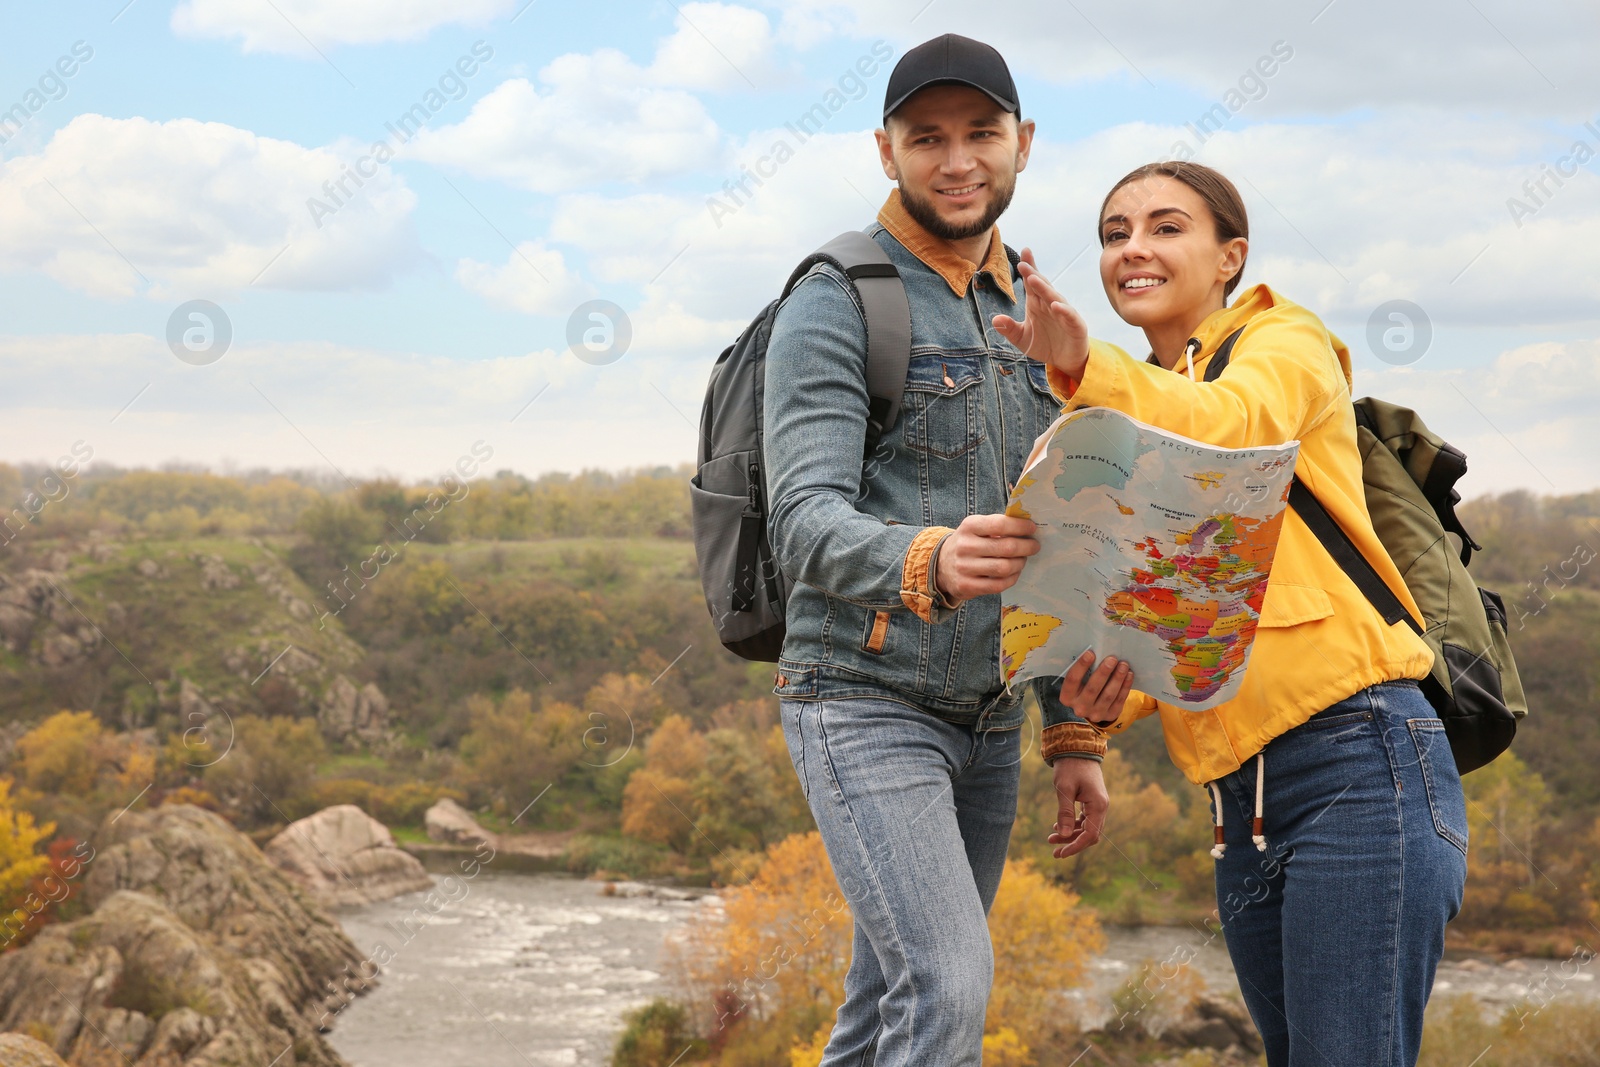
[(1336, 929), (916, 815)]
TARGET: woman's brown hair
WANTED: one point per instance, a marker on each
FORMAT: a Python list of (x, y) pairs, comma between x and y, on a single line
[(1219, 194)]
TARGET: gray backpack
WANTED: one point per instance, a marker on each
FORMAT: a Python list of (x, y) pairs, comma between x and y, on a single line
[(745, 590)]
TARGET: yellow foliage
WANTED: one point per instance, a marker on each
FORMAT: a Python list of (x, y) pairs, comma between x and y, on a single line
[(1043, 939), (783, 941), (1003, 1048), (71, 757), (675, 749), (659, 800), (63, 754), (624, 700), (809, 1054), (19, 837), (782, 946)]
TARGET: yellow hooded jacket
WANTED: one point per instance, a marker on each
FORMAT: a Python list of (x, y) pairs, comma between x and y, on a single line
[(1318, 639)]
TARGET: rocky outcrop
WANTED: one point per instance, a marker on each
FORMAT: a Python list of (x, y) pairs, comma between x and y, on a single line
[(342, 855), (452, 824), (276, 584), (33, 606), (347, 712), (215, 574), (198, 952), (1215, 1022), (20, 1050)]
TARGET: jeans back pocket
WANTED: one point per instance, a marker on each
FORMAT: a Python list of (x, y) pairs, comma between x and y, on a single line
[(1445, 798)]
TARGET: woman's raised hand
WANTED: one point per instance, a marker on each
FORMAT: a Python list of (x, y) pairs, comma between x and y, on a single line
[(1053, 331)]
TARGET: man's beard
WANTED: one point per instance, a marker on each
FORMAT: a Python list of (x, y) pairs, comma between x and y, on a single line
[(928, 217)]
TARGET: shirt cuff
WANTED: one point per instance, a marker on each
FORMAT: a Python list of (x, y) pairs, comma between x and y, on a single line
[(1072, 739), (917, 590)]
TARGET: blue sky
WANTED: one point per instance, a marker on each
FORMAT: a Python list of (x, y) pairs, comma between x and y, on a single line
[(579, 160)]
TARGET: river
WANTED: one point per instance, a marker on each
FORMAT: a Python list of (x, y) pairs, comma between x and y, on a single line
[(528, 970)]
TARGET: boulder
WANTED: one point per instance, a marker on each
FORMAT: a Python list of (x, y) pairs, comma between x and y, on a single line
[(347, 712), (16, 625), (452, 824), (20, 1050), (59, 649), (197, 952), (1215, 1022), (149, 568), (342, 855), (193, 708), (216, 574)]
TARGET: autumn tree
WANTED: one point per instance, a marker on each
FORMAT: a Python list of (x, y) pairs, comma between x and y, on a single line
[(71, 770), (659, 800), (512, 751), (765, 976), (263, 770), (1516, 879), (21, 865), (723, 796), (1043, 938)]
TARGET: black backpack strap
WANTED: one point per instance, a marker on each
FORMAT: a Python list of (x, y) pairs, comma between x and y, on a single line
[(888, 317), (1327, 531), (1348, 556), (1219, 360)]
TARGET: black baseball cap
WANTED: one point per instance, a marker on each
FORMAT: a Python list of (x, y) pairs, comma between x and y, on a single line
[(951, 59)]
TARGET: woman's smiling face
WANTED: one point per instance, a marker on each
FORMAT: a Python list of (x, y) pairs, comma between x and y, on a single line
[(1160, 258)]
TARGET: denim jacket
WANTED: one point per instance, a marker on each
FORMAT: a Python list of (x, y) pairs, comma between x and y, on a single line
[(860, 540)]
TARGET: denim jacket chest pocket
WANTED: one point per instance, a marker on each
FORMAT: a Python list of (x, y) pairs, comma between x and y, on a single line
[(1048, 408), (943, 403)]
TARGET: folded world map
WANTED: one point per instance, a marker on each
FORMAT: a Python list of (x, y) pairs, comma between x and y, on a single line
[(1154, 548)]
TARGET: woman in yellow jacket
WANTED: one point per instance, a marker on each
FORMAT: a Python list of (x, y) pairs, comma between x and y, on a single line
[(1342, 833)]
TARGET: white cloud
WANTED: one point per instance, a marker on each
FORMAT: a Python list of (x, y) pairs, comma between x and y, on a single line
[(533, 279), (300, 27), (715, 46), (1526, 421), (594, 121), (1492, 54), (114, 207), (598, 118), (1404, 205), (705, 271)]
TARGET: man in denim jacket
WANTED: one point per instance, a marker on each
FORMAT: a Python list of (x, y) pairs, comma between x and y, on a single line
[(906, 744)]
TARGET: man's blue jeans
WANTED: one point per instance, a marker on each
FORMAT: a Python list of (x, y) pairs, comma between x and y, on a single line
[(1336, 930), (916, 815)]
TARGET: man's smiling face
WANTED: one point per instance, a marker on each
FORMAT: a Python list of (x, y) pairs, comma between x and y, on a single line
[(956, 155)]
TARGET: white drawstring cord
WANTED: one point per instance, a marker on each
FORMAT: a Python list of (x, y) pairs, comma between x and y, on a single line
[(1189, 352), (1256, 836), (1221, 846), (1255, 828)]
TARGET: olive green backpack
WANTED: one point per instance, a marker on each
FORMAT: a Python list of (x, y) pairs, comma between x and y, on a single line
[(1409, 474)]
